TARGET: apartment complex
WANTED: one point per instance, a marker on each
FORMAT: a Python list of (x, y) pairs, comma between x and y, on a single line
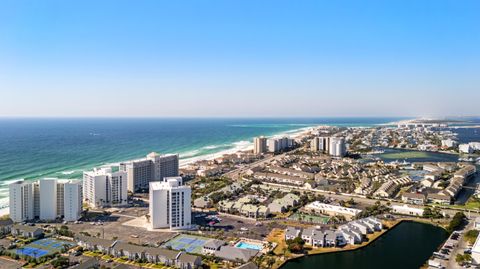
[(154, 167), (170, 204), (104, 187), (260, 145), (279, 144), (334, 146), (46, 199)]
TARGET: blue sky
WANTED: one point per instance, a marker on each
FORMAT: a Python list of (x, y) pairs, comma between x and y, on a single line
[(239, 58)]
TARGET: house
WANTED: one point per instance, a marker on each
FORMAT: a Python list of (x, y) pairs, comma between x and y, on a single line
[(95, 244), (378, 224), (187, 261), (26, 231), (162, 255), (292, 233), (212, 245), (414, 198), (333, 210), (350, 237), (313, 237), (235, 254), (331, 239), (438, 198), (6, 226), (132, 252), (364, 228)]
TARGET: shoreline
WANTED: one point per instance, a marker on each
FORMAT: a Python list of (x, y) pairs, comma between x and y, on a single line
[(239, 146), (362, 246)]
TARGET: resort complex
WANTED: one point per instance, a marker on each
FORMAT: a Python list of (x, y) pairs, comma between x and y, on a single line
[(326, 189)]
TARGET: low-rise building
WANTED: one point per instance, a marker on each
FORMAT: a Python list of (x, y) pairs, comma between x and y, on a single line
[(292, 233), (439, 198), (235, 254), (414, 198), (212, 245), (332, 210), (407, 210), (26, 231)]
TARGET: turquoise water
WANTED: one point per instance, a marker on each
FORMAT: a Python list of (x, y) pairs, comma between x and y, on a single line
[(245, 245), (62, 147)]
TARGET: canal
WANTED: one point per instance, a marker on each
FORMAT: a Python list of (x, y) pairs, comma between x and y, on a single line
[(408, 245)]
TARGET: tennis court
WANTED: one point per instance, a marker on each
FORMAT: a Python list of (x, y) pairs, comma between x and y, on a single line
[(309, 218), (189, 243), (43, 247)]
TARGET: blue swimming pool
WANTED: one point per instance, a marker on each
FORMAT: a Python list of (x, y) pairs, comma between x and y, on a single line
[(245, 245)]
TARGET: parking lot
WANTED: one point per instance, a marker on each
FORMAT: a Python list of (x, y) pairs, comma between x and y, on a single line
[(233, 226)]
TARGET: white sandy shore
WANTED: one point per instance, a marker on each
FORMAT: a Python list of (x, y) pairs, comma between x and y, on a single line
[(241, 146)]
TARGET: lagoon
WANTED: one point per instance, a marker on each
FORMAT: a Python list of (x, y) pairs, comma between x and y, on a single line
[(408, 245)]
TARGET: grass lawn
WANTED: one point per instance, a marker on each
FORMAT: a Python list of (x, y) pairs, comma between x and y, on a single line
[(472, 204), (277, 236)]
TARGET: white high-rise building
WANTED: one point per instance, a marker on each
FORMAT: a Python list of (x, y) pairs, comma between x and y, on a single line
[(279, 144), (103, 187), (337, 147), (72, 200), (320, 144), (46, 199), (170, 204), (259, 145), (152, 168), (21, 201)]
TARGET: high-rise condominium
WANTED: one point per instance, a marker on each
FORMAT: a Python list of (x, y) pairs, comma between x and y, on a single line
[(154, 167), (170, 204), (260, 145), (103, 187), (46, 199)]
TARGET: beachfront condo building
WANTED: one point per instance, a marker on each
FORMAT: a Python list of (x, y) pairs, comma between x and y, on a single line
[(46, 199), (21, 201), (279, 144), (154, 167), (260, 145), (334, 146), (337, 147), (104, 187), (170, 204)]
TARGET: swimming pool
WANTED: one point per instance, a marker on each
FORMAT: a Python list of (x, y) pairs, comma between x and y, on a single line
[(246, 245)]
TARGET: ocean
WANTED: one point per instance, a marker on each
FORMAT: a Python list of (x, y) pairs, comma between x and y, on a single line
[(65, 147)]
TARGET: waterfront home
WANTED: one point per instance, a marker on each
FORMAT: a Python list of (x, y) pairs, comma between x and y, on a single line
[(378, 226), (132, 252), (292, 233), (95, 244), (414, 198), (162, 255), (313, 237), (360, 225), (26, 231), (212, 245), (235, 254), (332, 239), (439, 198), (350, 237)]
